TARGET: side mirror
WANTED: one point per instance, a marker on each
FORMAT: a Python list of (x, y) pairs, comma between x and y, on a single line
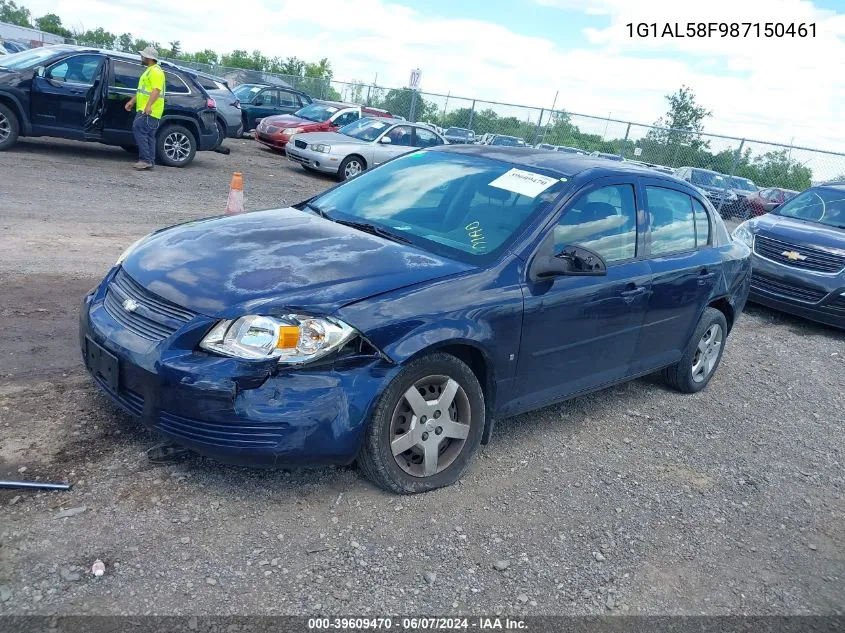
[(40, 71), (572, 261), (258, 102), (386, 140)]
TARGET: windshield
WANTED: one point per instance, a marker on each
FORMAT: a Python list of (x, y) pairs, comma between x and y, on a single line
[(707, 178), (743, 184), (28, 59), (461, 206), (364, 129), (456, 131), (317, 112), (823, 206), (507, 140), (246, 92)]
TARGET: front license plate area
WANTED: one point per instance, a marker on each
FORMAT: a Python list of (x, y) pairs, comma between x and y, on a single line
[(102, 363)]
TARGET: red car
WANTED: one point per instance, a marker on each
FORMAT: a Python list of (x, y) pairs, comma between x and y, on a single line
[(320, 116), (766, 200)]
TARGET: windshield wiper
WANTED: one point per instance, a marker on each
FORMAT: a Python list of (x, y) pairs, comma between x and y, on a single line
[(372, 229), (319, 210)]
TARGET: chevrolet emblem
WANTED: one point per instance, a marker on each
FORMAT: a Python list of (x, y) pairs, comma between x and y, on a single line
[(793, 256), (130, 305)]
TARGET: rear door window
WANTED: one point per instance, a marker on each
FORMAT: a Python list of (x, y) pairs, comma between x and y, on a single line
[(672, 222), (426, 138), (126, 74), (173, 84), (702, 224), (288, 99)]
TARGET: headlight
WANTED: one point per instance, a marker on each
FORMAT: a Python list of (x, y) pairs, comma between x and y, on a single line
[(324, 149), (744, 235), (129, 250), (290, 131), (292, 338)]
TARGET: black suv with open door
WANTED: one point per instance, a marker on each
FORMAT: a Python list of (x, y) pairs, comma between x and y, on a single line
[(80, 94)]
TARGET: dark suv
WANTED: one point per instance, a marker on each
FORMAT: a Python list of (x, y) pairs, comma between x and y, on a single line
[(80, 93)]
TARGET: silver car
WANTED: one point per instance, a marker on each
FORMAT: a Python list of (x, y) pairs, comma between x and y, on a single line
[(229, 119), (365, 143)]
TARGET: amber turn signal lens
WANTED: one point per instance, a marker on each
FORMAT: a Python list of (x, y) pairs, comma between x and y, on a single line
[(288, 337)]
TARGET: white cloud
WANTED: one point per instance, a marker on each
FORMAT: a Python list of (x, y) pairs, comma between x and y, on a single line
[(776, 89)]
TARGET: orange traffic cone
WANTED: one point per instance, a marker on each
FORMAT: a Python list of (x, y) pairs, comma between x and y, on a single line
[(236, 195)]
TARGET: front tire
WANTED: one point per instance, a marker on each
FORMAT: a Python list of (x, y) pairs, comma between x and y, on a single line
[(9, 128), (351, 167), (176, 146), (702, 355), (426, 428)]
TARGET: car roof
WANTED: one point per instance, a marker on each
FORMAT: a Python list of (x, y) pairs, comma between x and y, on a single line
[(709, 171), (394, 121), (564, 164)]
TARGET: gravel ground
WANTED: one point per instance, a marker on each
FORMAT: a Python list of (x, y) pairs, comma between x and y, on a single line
[(633, 500)]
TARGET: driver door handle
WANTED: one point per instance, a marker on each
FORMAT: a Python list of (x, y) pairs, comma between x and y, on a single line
[(631, 292)]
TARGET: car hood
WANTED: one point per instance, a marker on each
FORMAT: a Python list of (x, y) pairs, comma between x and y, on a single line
[(800, 233), (287, 120), (330, 138), (273, 260)]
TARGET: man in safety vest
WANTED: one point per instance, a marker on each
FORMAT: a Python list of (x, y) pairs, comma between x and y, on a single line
[(149, 103)]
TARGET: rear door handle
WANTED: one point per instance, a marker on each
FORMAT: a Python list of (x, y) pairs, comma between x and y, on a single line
[(704, 277)]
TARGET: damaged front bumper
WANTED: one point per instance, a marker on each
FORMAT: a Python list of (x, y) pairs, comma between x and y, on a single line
[(240, 412)]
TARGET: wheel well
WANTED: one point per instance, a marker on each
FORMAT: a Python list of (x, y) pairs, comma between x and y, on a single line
[(724, 306), (358, 156), (13, 106), (189, 125), (473, 357)]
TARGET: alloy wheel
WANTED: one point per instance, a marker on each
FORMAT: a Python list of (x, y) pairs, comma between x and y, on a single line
[(5, 128), (177, 147), (353, 168), (707, 353), (429, 426)]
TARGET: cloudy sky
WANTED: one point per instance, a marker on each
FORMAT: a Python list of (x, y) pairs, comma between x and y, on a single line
[(524, 51)]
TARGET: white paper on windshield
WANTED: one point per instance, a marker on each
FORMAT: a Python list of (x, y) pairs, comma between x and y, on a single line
[(525, 183)]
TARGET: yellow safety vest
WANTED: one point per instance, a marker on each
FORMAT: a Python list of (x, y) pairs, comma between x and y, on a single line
[(152, 78)]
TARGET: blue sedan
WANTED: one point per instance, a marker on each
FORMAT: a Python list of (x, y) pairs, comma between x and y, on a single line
[(392, 319), (799, 255)]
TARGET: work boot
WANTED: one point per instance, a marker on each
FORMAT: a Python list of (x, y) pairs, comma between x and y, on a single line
[(140, 165)]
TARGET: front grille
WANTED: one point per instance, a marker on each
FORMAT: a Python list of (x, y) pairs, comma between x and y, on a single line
[(770, 285), (298, 158), (300, 144), (153, 318), (815, 260), (226, 434)]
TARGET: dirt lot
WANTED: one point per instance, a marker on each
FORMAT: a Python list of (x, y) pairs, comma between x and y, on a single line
[(633, 500)]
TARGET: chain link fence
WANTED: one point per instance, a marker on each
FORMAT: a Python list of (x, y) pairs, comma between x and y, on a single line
[(744, 166)]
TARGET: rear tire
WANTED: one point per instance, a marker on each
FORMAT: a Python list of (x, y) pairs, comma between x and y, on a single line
[(221, 134), (426, 427), (10, 128), (175, 146), (702, 355)]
